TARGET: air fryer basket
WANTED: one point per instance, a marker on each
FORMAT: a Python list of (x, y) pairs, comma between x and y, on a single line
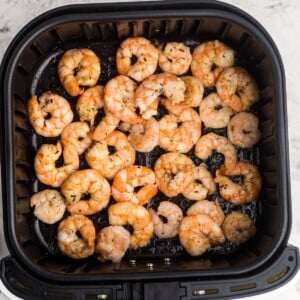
[(29, 67)]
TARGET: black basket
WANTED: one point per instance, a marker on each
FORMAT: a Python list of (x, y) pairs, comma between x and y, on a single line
[(36, 269)]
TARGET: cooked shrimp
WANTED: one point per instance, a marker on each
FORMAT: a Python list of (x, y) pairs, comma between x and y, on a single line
[(49, 206), (202, 184), (77, 68), (199, 232), (99, 157), (172, 213), (193, 92), (209, 208), (214, 113), (77, 134), (209, 60), (68, 240), (128, 179), (211, 141), (135, 215), (49, 114), (111, 243), (89, 103), (107, 125), (174, 58), (243, 130), (147, 93), (173, 172), (86, 183), (238, 227), (119, 99), (237, 89), (239, 193), (180, 130), (144, 137), (44, 163), (145, 53)]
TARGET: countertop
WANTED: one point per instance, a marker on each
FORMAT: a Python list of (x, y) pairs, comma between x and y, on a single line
[(279, 17)]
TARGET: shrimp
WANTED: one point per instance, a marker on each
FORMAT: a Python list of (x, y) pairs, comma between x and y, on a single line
[(68, 240), (202, 184), (243, 130), (145, 53), (119, 99), (209, 60), (211, 141), (77, 134), (111, 154), (239, 193), (144, 137), (129, 178), (107, 125), (213, 113), (209, 208), (237, 89), (238, 227), (173, 173), (49, 206), (174, 58), (77, 68), (111, 243), (149, 90), (86, 183), (44, 163), (89, 103), (172, 213), (135, 215), (49, 114), (199, 232), (180, 130), (194, 91)]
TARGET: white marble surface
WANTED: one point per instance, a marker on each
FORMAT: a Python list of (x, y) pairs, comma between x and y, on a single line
[(279, 17)]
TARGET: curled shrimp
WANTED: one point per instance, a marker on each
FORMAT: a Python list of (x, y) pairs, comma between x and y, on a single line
[(202, 184), (199, 232), (238, 227), (243, 130), (180, 129), (107, 125), (148, 92), (172, 213), (99, 157), (173, 172), (135, 215), (119, 99), (211, 141), (111, 243), (88, 183), (144, 136), (145, 53), (209, 60), (128, 179), (49, 206), (68, 240), (44, 163), (209, 208), (78, 67), (239, 193), (237, 89), (174, 58), (194, 91), (49, 114), (77, 134), (213, 113), (89, 103)]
